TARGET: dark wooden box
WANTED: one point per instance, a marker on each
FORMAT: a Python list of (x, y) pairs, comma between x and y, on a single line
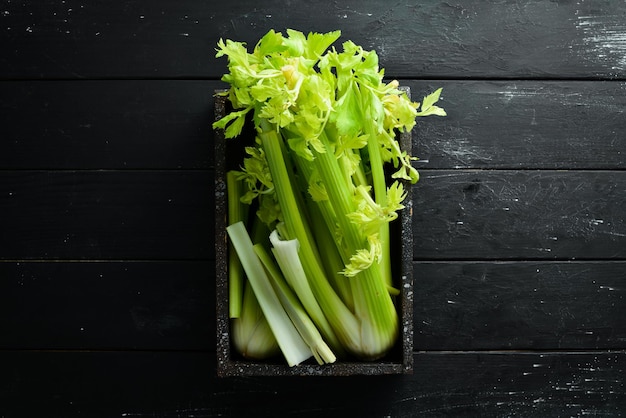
[(228, 155)]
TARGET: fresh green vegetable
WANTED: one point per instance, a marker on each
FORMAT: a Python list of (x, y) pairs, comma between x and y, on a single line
[(237, 211), (287, 336), (327, 171), (251, 334), (286, 255), (303, 323)]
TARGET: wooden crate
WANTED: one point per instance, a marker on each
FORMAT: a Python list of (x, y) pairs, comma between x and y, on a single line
[(228, 155)]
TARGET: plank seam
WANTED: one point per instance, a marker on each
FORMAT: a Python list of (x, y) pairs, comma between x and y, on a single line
[(387, 77), (415, 352)]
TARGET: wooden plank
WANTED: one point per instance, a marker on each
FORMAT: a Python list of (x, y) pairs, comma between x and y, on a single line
[(431, 39), (107, 305), (106, 124), (106, 215), (170, 305), (167, 125), (174, 384), (148, 125), (461, 214), (523, 125), (519, 214), (519, 305)]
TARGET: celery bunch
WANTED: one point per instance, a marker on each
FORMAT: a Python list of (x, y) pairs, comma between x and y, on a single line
[(326, 124)]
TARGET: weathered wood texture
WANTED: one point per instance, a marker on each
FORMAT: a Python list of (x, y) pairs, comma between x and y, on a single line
[(459, 214), (166, 305), (525, 125), (166, 125), (125, 124), (97, 305), (106, 214), (106, 203), (519, 305), (182, 384), (521, 214), (531, 39)]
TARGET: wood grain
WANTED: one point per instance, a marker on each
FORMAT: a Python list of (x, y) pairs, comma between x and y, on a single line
[(166, 124), (106, 215), (519, 214), (460, 214), (174, 384), (169, 305), (107, 305), (523, 125), (433, 39), (106, 204), (105, 124), (519, 305)]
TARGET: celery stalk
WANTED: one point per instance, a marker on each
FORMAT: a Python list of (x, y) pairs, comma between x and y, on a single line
[(343, 322), (303, 323), (251, 333), (237, 211), (331, 258), (286, 254), (380, 193), (379, 325), (289, 340)]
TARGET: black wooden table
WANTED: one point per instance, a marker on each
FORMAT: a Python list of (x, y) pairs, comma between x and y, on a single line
[(106, 208)]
